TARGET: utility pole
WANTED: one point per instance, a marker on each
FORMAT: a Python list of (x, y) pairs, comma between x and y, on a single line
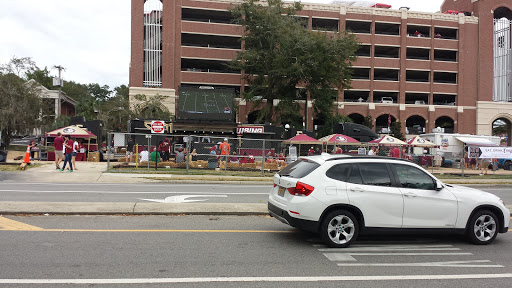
[(59, 109)]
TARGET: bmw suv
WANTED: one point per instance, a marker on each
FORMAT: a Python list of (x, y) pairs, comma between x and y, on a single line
[(343, 196)]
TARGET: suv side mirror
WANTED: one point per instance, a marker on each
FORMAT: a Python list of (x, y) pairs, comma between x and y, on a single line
[(439, 185)]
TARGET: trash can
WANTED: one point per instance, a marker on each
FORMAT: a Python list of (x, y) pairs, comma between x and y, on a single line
[(3, 156), (212, 163)]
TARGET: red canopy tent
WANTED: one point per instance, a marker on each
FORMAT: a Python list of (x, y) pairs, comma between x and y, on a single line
[(301, 139)]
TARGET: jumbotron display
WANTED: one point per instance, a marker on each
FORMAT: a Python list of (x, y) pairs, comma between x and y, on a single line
[(206, 103)]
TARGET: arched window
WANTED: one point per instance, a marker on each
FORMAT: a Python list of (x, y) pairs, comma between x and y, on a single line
[(446, 123), (415, 125)]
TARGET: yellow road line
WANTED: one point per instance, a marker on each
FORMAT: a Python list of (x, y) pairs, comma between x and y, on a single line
[(8, 224), (169, 230)]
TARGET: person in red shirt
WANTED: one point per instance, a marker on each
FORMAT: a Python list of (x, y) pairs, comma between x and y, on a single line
[(395, 153), (68, 149), (58, 147)]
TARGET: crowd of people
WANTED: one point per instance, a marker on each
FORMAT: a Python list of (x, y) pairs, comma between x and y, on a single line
[(66, 149), (481, 164)]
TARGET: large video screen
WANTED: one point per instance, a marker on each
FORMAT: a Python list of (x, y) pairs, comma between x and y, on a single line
[(205, 103)]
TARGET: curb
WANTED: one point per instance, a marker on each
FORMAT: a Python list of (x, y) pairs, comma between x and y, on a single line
[(130, 208)]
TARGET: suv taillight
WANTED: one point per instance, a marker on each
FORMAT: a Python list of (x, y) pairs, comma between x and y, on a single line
[(301, 189)]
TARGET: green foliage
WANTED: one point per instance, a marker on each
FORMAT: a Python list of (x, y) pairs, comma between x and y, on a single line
[(151, 107), (396, 130), (60, 122), (330, 121), (99, 93), (18, 66), (21, 107), (280, 55), (122, 91), (42, 77), (368, 122)]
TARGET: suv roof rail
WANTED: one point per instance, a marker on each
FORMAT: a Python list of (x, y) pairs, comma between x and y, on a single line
[(366, 157)]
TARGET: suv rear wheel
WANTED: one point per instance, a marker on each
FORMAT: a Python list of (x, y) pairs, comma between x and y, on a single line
[(339, 229), (482, 227)]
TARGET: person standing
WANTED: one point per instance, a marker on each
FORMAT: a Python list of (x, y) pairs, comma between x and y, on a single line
[(166, 153), (224, 150), (371, 152), (58, 145), (73, 153), (129, 150), (68, 149)]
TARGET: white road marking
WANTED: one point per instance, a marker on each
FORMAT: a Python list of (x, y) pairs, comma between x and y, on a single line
[(337, 257), (453, 264), (131, 192), (369, 249), (184, 198), (255, 279)]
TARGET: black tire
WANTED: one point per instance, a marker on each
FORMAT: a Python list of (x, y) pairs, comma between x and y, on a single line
[(506, 165), (482, 228), (333, 226)]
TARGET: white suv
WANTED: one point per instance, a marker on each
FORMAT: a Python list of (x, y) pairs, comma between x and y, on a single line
[(341, 196)]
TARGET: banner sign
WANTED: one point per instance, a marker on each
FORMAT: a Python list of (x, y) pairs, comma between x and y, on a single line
[(496, 152), (249, 129)]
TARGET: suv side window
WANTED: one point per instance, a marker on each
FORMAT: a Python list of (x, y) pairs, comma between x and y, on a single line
[(355, 175), (338, 172), (375, 174), (412, 177)]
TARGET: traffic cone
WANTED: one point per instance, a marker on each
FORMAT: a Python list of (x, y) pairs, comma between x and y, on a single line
[(26, 161), (27, 156)]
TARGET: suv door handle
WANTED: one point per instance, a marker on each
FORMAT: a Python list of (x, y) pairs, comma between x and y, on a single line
[(356, 189), (409, 194)]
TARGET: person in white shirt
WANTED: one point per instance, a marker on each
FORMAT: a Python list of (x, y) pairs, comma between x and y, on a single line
[(371, 152), (144, 155), (73, 154)]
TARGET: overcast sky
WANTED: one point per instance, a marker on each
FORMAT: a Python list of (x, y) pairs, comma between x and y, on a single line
[(91, 39)]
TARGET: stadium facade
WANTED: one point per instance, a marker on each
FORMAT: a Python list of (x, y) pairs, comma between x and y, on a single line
[(450, 70)]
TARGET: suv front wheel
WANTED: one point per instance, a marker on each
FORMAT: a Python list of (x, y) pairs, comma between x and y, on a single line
[(339, 229), (483, 227)]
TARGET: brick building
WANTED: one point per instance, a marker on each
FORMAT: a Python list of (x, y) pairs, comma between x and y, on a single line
[(449, 70)]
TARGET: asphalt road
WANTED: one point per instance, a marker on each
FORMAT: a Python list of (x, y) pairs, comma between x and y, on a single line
[(232, 251), (163, 192)]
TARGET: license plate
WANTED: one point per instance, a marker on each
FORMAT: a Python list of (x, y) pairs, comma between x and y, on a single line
[(280, 191)]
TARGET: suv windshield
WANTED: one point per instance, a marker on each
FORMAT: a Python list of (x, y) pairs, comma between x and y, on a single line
[(299, 168)]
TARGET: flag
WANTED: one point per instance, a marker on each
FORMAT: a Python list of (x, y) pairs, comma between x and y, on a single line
[(389, 120)]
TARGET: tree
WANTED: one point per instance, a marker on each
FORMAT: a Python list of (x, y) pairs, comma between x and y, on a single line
[(21, 107), (100, 93), (368, 122), (396, 130), (328, 127), (280, 55), (41, 76), (151, 108), (18, 66)]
